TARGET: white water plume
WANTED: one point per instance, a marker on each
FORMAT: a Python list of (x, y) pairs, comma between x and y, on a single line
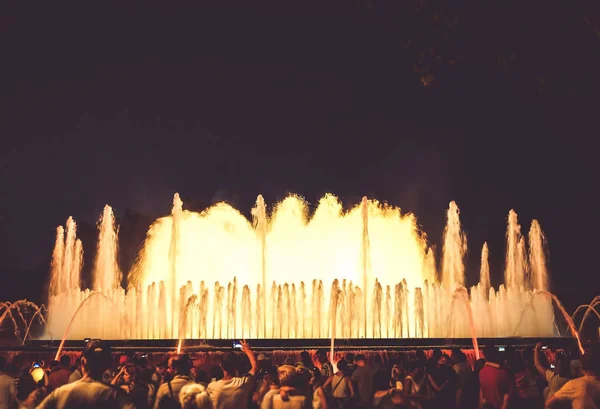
[(366, 272)]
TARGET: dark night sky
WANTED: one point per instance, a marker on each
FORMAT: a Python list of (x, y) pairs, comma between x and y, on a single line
[(124, 105)]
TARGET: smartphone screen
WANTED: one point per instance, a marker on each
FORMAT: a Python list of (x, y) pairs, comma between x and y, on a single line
[(501, 349), (237, 345), (545, 347)]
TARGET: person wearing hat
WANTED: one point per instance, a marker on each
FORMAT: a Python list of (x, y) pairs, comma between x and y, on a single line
[(266, 378), (264, 363), (89, 392)]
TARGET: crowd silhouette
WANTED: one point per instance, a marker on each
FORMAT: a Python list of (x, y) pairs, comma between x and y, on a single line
[(505, 378)]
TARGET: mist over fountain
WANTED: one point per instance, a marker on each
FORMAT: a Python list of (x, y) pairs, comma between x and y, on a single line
[(365, 273)]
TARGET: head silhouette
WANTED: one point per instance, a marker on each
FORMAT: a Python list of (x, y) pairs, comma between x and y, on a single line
[(96, 358)]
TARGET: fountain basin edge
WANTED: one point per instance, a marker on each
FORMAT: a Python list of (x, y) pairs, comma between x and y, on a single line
[(199, 345)]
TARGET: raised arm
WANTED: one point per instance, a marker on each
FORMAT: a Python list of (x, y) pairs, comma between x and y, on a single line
[(540, 365), (117, 378), (248, 351)]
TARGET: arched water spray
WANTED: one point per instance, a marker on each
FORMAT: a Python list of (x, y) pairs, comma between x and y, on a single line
[(184, 321), (8, 313), (463, 294), (590, 307), (564, 313), (38, 313), (13, 312), (66, 334)]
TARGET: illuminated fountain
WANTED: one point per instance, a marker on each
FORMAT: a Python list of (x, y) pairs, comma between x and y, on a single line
[(365, 273)]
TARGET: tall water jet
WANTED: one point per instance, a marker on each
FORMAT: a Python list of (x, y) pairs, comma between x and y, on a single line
[(484, 272), (336, 297), (365, 254), (107, 275), (539, 275), (174, 258), (429, 268), (69, 260), (455, 247), (376, 318), (246, 313), (419, 314), (537, 257), (524, 263), (259, 216), (514, 274), (77, 265), (56, 268)]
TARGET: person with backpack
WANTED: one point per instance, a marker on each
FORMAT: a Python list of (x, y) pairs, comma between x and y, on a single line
[(167, 396), (342, 389)]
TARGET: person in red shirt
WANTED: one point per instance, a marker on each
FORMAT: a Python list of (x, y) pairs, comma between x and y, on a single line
[(496, 383), (60, 376)]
